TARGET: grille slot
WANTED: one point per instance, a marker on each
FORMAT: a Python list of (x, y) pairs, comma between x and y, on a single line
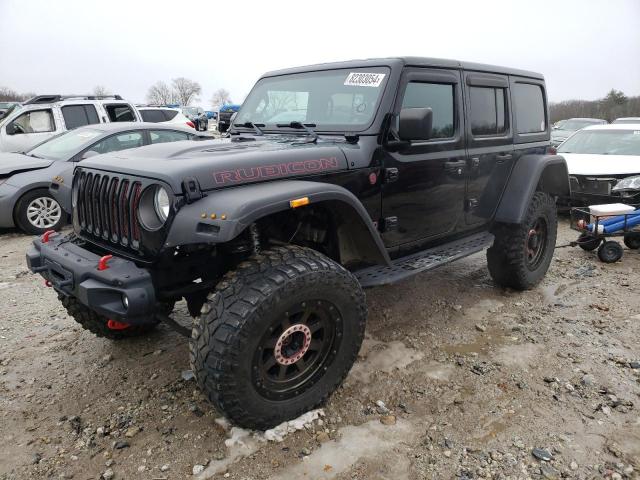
[(107, 207)]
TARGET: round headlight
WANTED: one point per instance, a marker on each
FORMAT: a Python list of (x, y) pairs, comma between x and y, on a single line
[(161, 204)]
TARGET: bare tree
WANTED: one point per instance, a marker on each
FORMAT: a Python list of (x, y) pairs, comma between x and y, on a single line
[(615, 104), (101, 90), (185, 90), (160, 94), (220, 97), (10, 95)]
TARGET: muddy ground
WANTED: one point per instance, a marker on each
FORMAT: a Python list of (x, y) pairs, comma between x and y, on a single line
[(474, 378)]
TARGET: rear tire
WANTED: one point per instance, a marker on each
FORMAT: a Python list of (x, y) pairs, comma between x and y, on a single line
[(521, 254), (37, 211), (97, 324), (278, 336)]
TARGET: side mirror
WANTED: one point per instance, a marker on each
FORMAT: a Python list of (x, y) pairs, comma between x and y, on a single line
[(415, 124), (11, 129), (89, 154)]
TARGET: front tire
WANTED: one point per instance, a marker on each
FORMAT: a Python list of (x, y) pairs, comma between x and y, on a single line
[(278, 336), (98, 324), (37, 211), (521, 254)]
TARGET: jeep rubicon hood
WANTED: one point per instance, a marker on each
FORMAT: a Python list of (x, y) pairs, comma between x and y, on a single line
[(11, 163), (224, 163)]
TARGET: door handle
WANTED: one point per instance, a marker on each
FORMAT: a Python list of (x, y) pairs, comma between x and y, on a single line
[(456, 166), (502, 158)]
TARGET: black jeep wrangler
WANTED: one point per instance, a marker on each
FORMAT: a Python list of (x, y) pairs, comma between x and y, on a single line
[(335, 178)]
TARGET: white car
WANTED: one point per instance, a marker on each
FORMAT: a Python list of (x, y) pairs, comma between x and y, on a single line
[(598, 158), (172, 116), (45, 116)]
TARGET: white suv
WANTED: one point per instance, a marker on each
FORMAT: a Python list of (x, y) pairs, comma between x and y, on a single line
[(157, 114), (44, 116)]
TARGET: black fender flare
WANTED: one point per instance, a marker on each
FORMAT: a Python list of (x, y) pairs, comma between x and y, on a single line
[(223, 214), (531, 173)]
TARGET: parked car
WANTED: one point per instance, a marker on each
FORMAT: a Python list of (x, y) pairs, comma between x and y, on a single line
[(198, 117), (6, 106), (564, 130), (224, 116), (635, 120), (168, 115), (211, 115), (25, 178), (400, 165), (598, 157), (45, 116)]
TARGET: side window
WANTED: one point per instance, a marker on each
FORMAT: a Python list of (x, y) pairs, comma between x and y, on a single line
[(154, 116), (119, 142), (488, 115), (165, 136), (35, 121), (169, 114), (79, 115), (438, 97), (120, 113), (528, 102)]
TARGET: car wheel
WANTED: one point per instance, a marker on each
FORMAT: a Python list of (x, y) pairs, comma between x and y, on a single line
[(632, 240), (37, 211), (521, 254), (278, 336)]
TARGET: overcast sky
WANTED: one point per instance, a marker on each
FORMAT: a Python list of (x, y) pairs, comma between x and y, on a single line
[(583, 47)]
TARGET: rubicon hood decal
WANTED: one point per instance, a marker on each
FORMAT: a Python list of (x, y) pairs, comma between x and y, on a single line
[(266, 172)]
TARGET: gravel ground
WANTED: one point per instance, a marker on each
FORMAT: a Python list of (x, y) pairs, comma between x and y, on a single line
[(457, 379)]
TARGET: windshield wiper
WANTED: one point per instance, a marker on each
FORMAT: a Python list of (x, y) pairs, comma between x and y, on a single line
[(255, 126), (302, 126), (33, 155)]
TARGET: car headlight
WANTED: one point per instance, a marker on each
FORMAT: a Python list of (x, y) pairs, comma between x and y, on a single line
[(627, 184), (161, 203), (154, 207)]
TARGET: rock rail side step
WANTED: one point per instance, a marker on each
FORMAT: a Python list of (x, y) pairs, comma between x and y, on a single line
[(429, 259)]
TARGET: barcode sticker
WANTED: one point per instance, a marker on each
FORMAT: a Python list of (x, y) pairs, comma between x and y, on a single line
[(364, 79)]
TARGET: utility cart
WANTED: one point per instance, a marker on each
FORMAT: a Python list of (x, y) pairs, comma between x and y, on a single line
[(597, 224)]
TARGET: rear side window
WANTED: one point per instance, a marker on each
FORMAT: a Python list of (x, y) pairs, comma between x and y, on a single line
[(152, 116), (488, 110), (120, 113), (528, 102), (438, 97), (79, 115), (119, 142), (170, 114), (166, 136)]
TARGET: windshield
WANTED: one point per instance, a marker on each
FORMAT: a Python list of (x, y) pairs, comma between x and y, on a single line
[(577, 124), (603, 142), (4, 115), (334, 100), (64, 146)]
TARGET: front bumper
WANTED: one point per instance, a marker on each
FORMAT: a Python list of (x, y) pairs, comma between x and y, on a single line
[(73, 271)]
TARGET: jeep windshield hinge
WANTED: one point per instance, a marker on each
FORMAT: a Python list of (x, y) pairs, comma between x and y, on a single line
[(191, 189)]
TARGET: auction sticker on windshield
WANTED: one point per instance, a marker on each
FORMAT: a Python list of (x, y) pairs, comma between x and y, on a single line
[(364, 79)]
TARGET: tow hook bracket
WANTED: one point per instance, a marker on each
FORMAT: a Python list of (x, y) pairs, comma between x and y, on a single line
[(116, 325), (47, 235), (102, 263)]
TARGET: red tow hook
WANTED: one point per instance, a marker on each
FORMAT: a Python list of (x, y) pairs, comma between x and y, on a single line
[(47, 283), (116, 325), (46, 235), (102, 263)]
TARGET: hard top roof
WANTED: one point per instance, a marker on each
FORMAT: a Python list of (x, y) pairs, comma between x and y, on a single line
[(408, 61)]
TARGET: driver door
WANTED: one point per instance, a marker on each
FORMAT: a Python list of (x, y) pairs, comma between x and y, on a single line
[(424, 190), (28, 130)]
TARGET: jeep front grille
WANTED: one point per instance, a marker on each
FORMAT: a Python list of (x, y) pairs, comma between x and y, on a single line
[(107, 207)]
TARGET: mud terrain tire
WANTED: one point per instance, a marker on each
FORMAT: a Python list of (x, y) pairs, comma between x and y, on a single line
[(521, 254), (97, 324), (240, 341)]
